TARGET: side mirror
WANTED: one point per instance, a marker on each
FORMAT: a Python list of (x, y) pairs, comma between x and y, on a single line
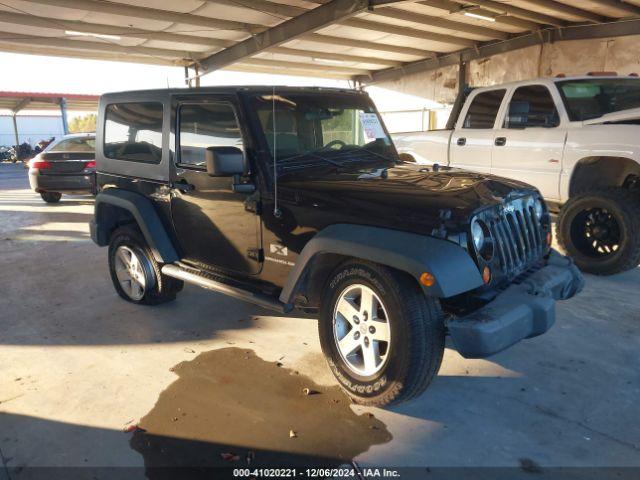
[(224, 161)]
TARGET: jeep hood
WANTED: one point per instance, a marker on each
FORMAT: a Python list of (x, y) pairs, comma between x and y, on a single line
[(401, 195), (613, 117)]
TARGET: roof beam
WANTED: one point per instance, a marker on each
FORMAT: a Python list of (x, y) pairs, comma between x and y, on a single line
[(124, 10), (333, 56), (414, 17), (381, 47), (552, 35), (515, 11), (10, 37), (315, 19), (570, 10), (453, 7), (276, 9), (263, 62), (110, 56), (78, 26), (407, 32), (619, 5)]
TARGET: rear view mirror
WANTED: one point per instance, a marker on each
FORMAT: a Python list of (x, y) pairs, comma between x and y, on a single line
[(224, 161)]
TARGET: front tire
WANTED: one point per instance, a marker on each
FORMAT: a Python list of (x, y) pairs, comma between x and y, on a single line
[(600, 230), (382, 337), (134, 271), (51, 197)]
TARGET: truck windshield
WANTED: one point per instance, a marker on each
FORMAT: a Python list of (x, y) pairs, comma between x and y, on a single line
[(593, 98), (308, 129)]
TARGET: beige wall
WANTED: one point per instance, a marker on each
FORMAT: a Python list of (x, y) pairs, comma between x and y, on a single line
[(577, 57)]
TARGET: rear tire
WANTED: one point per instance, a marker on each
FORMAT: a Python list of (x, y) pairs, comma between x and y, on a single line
[(51, 197), (134, 271), (411, 322), (600, 230)]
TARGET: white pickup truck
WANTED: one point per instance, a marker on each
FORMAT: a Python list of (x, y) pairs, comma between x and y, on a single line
[(576, 139)]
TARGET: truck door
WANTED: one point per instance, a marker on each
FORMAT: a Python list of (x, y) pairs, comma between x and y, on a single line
[(472, 140), (215, 225), (530, 142)]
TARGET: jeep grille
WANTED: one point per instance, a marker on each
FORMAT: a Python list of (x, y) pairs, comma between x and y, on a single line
[(519, 236)]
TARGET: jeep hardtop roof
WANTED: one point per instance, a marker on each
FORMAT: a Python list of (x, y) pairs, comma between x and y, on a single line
[(236, 89)]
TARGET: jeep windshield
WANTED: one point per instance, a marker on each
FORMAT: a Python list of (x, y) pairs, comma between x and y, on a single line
[(311, 129), (592, 98)]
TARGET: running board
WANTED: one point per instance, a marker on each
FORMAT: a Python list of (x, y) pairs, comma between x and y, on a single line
[(251, 297)]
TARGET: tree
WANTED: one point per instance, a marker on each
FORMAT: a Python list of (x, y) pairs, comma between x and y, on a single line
[(85, 123)]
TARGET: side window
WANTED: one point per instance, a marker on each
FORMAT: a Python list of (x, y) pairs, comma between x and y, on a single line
[(532, 106), (133, 132), (483, 110), (206, 125)]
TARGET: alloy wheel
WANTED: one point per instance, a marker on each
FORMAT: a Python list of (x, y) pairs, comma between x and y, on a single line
[(361, 330), (130, 272)]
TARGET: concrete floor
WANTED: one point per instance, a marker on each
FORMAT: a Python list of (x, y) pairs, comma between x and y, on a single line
[(77, 363)]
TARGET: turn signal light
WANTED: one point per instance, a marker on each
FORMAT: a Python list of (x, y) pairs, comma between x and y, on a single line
[(427, 279), (486, 275), (40, 165)]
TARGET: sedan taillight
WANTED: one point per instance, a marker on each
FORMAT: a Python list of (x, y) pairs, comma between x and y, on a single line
[(40, 165)]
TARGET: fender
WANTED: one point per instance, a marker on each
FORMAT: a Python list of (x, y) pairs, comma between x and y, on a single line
[(450, 264), (145, 215)]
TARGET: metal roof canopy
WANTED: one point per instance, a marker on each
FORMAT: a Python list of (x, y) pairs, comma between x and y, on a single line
[(367, 40), (18, 101)]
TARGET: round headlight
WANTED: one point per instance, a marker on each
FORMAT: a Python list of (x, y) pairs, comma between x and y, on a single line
[(481, 238), (538, 208), (477, 235)]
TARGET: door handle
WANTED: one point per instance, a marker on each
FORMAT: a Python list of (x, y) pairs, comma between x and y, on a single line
[(184, 186), (462, 141), (500, 141)]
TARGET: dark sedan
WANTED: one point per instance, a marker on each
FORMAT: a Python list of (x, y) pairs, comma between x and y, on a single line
[(67, 165)]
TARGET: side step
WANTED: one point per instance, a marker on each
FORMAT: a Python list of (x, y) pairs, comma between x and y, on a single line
[(251, 297)]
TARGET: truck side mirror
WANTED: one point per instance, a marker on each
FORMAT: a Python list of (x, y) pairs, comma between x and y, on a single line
[(224, 161)]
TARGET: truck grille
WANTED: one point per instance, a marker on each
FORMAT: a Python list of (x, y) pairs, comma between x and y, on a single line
[(519, 236)]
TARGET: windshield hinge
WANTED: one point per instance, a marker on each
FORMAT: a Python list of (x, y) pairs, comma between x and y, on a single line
[(256, 254)]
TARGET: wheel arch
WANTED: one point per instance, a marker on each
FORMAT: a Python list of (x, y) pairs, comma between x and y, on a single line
[(115, 207), (414, 254), (602, 171)]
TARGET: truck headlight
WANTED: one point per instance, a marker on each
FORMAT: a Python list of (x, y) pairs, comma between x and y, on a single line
[(481, 239)]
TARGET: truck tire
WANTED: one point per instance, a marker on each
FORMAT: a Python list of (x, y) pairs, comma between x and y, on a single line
[(382, 357), (134, 271), (600, 230), (51, 197)]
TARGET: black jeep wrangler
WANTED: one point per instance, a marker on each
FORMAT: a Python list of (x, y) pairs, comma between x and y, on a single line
[(296, 198)]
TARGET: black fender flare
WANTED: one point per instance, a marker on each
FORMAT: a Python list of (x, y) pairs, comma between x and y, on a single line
[(453, 268), (145, 215)]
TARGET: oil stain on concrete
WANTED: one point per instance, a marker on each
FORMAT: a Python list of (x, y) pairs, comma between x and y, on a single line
[(229, 408)]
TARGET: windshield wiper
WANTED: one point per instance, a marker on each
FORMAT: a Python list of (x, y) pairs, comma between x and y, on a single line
[(384, 157), (313, 155)]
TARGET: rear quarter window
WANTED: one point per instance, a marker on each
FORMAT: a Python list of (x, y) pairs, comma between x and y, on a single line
[(133, 132), (483, 110)]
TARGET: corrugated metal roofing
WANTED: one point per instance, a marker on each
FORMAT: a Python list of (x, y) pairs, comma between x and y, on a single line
[(370, 40), (46, 101)]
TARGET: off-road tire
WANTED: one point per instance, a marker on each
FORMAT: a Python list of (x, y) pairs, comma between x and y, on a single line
[(51, 197), (417, 335), (159, 288), (624, 205)]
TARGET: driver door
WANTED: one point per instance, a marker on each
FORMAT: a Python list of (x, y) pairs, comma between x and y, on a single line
[(214, 227)]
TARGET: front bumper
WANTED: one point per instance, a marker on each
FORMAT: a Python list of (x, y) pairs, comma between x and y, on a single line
[(69, 183), (523, 310)]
